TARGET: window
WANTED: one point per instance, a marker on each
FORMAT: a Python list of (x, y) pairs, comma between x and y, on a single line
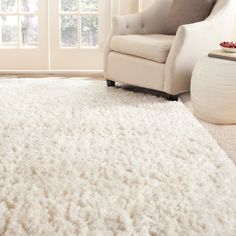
[(54, 35), (79, 23), (18, 23)]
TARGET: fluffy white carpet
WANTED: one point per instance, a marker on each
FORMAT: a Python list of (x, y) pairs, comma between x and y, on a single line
[(77, 158)]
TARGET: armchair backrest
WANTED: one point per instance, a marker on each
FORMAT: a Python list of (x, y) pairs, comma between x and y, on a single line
[(158, 12)]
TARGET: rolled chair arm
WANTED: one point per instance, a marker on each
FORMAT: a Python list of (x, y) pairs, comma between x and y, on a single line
[(194, 40)]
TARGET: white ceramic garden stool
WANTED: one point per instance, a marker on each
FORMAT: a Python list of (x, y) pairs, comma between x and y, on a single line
[(213, 90)]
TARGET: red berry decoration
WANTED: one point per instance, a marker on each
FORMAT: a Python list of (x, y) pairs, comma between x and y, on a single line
[(228, 44)]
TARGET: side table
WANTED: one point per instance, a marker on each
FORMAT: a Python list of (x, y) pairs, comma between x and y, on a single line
[(213, 90)]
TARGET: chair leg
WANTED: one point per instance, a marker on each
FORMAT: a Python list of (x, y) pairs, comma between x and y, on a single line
[(111, 83), (172, 97)]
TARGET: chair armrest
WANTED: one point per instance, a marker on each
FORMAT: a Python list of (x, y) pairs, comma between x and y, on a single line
[(193, 41)]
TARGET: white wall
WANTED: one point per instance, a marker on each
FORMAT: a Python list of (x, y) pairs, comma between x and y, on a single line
[(145, 3), (128, 6), (133, 6), (234, 33)]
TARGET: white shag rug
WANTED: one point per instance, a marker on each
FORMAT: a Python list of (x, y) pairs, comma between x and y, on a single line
[(77, 158)]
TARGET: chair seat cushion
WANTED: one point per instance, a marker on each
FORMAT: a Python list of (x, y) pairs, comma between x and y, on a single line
[(152, 47)]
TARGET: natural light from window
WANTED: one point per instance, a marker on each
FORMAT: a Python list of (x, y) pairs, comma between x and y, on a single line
[(19, 23), (79, 21)]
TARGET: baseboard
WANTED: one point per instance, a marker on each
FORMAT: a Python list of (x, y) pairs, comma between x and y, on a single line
[(55, 73)]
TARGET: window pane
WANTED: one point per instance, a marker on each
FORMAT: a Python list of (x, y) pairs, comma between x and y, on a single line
[(89, 31), (89, 5), (29, 5), (9, 31), (69, 5), (69, 31), (29, 31), (8, 5)]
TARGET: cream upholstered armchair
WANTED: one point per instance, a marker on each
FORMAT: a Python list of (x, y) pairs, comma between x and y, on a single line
[(138, 53)]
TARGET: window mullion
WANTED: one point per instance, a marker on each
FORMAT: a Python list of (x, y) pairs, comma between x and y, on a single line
[(19, 23), (79, 26)]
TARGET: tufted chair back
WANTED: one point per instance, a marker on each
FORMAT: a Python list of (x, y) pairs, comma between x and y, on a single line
[(156, 13), (140, 23)]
